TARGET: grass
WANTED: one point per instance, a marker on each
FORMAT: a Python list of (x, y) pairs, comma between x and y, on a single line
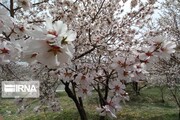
[(147, 106)]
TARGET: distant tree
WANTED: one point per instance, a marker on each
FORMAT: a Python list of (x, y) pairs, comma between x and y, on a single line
[(166, 72)]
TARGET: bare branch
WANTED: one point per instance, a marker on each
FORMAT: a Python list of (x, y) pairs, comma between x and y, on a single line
[(4, 6)]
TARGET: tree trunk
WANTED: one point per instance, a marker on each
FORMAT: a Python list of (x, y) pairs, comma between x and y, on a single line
[(136, 88), (102, 118), (12, 8), (81, 111), (162, 95), (179, 113), (79, 104)]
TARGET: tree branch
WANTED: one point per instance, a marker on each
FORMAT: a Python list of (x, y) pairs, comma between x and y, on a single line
[(4, 6), (12, 8), (87, 52), (94, 18), (38, 3)]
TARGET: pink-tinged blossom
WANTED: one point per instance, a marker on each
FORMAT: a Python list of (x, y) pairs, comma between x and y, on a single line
[(122, 63), (114, 101), (125, 74), (139, 71), (50, 55), (53, 30), (67, 75), (53, 51), (8, 52), (83, 79), (117, 87), (84, 90), (58, 32), (156, 41), (106, 110), (140, 67), (163, 47), (4, 53), (167, 48), (19, 31), (148, 52)]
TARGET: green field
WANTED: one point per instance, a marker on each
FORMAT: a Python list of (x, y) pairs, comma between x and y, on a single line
[(147, 106)]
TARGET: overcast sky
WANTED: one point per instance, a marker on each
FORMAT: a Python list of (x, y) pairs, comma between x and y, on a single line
[(155, 15)]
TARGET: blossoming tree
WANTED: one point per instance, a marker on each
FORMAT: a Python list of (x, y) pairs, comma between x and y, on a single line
[(85, 45), (167, 71)]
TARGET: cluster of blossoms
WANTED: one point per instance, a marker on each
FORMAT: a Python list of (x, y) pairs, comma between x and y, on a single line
[(116, 94), (54, 42), (51, 46), (83, 81), (133, 68)]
